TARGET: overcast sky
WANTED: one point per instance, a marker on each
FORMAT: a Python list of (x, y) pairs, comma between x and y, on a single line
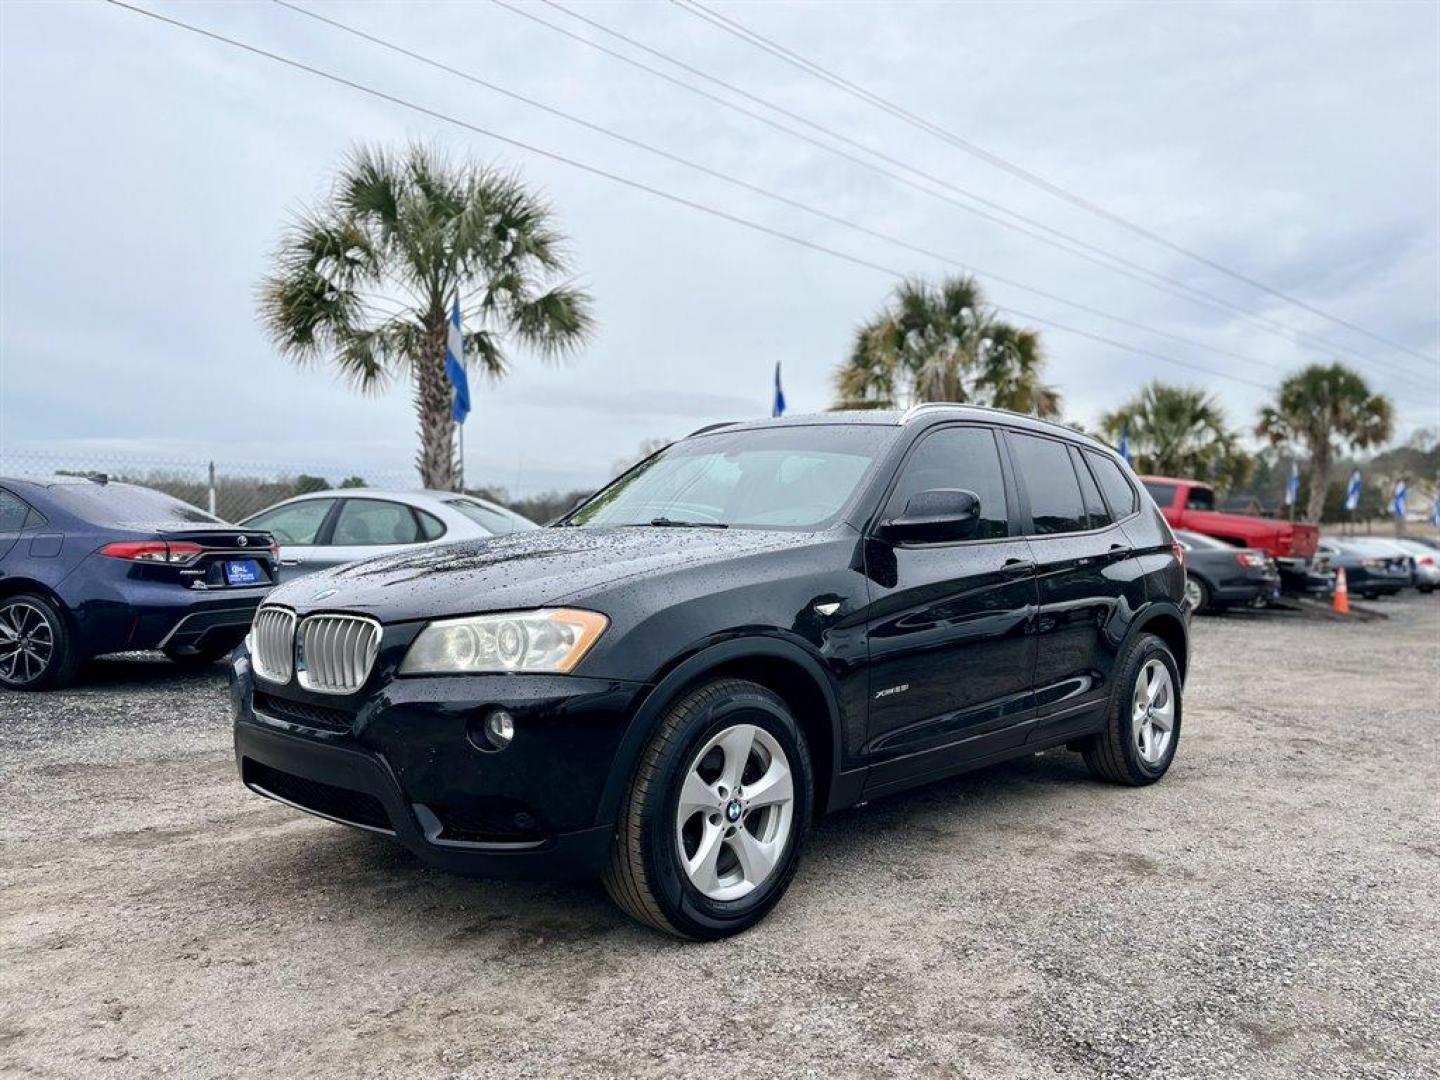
[(147, 174)]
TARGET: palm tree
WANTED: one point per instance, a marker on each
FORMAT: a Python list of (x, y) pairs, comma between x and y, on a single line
[(1179, 431), (367, 281), (943, 343), (1325, 408)]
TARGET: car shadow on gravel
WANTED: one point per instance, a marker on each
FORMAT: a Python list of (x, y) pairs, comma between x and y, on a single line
[(328, 872), (145, 672)]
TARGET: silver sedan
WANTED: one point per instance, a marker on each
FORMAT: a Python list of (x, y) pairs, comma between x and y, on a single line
[(327, 528)]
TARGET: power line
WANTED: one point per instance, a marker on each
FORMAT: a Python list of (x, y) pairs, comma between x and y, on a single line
[(736, 29), (754, 188), (1056, 238), (637, 185)]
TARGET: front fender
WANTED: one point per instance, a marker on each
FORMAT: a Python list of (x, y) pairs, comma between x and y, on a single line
[(681, 674)]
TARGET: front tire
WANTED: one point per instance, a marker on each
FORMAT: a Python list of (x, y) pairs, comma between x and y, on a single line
[(712, 829), (36, 652), (1142, 731)]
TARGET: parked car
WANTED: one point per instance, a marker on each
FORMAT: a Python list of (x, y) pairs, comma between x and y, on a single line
[(1424, 574), (1370, 572), (90, 567), (1190, 505), (327, 528), (1427, 562), (763, 622), (1218, 575)]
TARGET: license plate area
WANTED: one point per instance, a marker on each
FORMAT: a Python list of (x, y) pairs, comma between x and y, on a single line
[(241, 572)]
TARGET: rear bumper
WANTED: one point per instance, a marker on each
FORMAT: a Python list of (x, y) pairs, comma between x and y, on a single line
[(114, 613), (409, 767), (1247, 590)]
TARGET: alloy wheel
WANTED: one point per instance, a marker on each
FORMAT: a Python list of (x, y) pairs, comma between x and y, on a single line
[(1193, 594), (736, 812), (27, 643), (1153, 713)]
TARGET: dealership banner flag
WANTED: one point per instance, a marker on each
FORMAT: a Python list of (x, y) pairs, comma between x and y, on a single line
[(1124, 448), (1352, 493), (455, 366), (777, 407), (1292, 486), (1399, 503)]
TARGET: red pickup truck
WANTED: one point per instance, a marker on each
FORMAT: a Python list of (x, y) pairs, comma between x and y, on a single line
[(1188, 504)]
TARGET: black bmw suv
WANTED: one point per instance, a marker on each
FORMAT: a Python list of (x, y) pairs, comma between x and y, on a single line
[(760, 623)]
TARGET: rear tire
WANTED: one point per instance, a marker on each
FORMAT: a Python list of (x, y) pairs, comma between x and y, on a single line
[(703, 871), (1198, 594), (36, 650), (1142, 730)]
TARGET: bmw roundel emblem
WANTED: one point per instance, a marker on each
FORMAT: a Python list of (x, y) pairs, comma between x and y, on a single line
[(242, 541)]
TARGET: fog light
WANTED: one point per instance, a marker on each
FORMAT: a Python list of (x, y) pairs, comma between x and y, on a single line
[(500, 729)]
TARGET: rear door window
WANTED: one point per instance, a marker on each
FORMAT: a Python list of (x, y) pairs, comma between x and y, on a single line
[(1056, 505), (1089, 491), (367, 522), (1118, 491), (298, 523), (957, 457)]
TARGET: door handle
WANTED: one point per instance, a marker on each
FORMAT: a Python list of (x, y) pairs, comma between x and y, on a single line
[(1017, 567), (1121, 551)]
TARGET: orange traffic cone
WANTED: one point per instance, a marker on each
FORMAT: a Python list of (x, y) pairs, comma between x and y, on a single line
[(1342, 593)]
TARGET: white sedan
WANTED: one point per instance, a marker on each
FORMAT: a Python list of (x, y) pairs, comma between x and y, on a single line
[(327, 528)]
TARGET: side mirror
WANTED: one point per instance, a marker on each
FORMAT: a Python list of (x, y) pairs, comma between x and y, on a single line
[(935, 516)]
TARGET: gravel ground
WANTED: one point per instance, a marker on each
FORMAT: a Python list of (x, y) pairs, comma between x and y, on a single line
[(1270, 909)]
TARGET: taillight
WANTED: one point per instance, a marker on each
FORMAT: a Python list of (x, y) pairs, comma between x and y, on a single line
[(1251, 559), (153, 551), (1178, 551), (1427, 560)]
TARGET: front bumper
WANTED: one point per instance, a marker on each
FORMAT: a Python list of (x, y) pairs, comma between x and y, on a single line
[(409, 764)]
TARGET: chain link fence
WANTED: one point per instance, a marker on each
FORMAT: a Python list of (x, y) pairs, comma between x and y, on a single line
[(232, 490)]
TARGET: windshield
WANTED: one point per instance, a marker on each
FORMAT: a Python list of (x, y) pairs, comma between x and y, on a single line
[(112, 504), (782, 477)]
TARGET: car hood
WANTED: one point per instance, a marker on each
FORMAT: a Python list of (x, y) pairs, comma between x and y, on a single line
[(521, 570)]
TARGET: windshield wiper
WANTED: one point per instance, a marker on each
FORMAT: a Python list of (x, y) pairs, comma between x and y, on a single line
[(670, 523)]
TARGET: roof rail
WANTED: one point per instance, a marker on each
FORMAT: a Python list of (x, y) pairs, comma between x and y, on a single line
[(914, 409), (711, 427)]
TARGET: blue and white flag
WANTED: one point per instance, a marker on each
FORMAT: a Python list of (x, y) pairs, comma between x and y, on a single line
[(777, 408), (1435, 510), (1292, 486), (1352, 493), (1398, 504), (455, 366), (1124, 448)]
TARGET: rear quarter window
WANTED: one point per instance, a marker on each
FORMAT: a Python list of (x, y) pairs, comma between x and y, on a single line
[(1163, 494), (1119, 492), (1056, 505)]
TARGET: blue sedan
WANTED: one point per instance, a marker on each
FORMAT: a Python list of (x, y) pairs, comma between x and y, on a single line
[(90, 567)]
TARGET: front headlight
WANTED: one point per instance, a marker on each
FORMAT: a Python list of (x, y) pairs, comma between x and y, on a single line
[(547, 640)]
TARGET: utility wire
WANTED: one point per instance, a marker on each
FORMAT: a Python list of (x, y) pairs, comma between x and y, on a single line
[(736, 29), (637, 185), (1056, 238), (756, 189)]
